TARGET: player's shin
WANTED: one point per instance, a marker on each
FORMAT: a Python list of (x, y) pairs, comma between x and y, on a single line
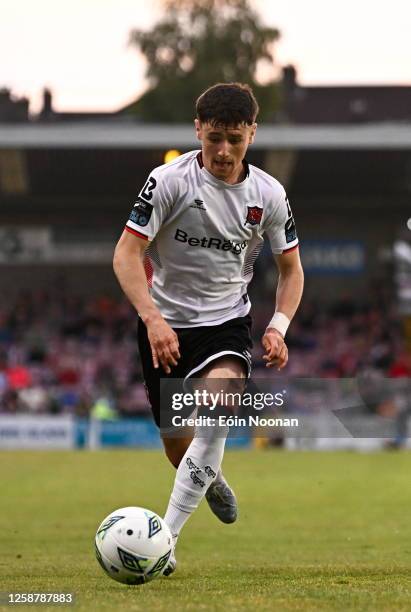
[(197, 470)]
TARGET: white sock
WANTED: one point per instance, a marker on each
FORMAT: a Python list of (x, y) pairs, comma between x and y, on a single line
[(219, 477), (197, 470)]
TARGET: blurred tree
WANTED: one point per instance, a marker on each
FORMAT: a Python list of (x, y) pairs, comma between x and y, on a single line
[(199, 43)]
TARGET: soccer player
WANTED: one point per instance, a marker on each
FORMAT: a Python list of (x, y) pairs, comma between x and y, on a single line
[(185, 259)]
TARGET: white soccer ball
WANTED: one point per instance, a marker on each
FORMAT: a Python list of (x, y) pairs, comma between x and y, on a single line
[(133, 545)]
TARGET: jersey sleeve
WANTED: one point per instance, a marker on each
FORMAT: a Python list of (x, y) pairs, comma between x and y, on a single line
[(279, 226), (153, 205)]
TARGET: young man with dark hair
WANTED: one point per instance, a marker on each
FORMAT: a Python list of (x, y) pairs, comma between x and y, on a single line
[(199, 223)]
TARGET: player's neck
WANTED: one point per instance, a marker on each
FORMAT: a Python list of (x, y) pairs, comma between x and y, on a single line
[(238, 175)]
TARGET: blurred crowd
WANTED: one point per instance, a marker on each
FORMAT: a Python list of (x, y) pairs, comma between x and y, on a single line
[(64, 354)]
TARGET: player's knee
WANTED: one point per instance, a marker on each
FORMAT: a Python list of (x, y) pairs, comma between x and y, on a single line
[(225, 380), (225, 368)]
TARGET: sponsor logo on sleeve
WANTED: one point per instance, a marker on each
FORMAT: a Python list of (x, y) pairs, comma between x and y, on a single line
[(141, 213), (290, 230)]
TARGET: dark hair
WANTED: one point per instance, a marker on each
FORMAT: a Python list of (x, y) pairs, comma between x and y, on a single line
[(227, 104)]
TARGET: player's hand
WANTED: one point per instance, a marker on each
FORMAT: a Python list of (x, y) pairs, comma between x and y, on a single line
[(276, 349), (164, 344)]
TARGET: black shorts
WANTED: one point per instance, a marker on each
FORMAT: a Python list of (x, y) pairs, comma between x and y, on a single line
[(199, 346)]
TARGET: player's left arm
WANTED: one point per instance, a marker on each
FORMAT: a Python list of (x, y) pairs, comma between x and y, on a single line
[(288, 297)]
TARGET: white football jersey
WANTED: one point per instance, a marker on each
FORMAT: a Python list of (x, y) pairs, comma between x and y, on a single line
[(205, 236)]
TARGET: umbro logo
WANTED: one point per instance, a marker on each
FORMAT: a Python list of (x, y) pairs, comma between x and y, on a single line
[(199, 204)]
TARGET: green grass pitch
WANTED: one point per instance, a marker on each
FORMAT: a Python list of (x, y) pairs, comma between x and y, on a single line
[(317, 531)]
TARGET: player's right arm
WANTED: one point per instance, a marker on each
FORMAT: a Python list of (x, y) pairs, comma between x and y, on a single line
[(129, 270)]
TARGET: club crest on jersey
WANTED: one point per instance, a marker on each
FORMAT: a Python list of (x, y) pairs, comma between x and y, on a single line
[(254, 214)]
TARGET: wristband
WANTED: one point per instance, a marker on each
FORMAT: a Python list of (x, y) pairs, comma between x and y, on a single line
[(280, 322)]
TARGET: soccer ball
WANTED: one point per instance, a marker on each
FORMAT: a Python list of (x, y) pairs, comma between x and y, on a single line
[(133, 545)]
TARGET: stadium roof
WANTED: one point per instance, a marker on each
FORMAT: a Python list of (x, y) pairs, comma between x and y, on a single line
[(129, 135)]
